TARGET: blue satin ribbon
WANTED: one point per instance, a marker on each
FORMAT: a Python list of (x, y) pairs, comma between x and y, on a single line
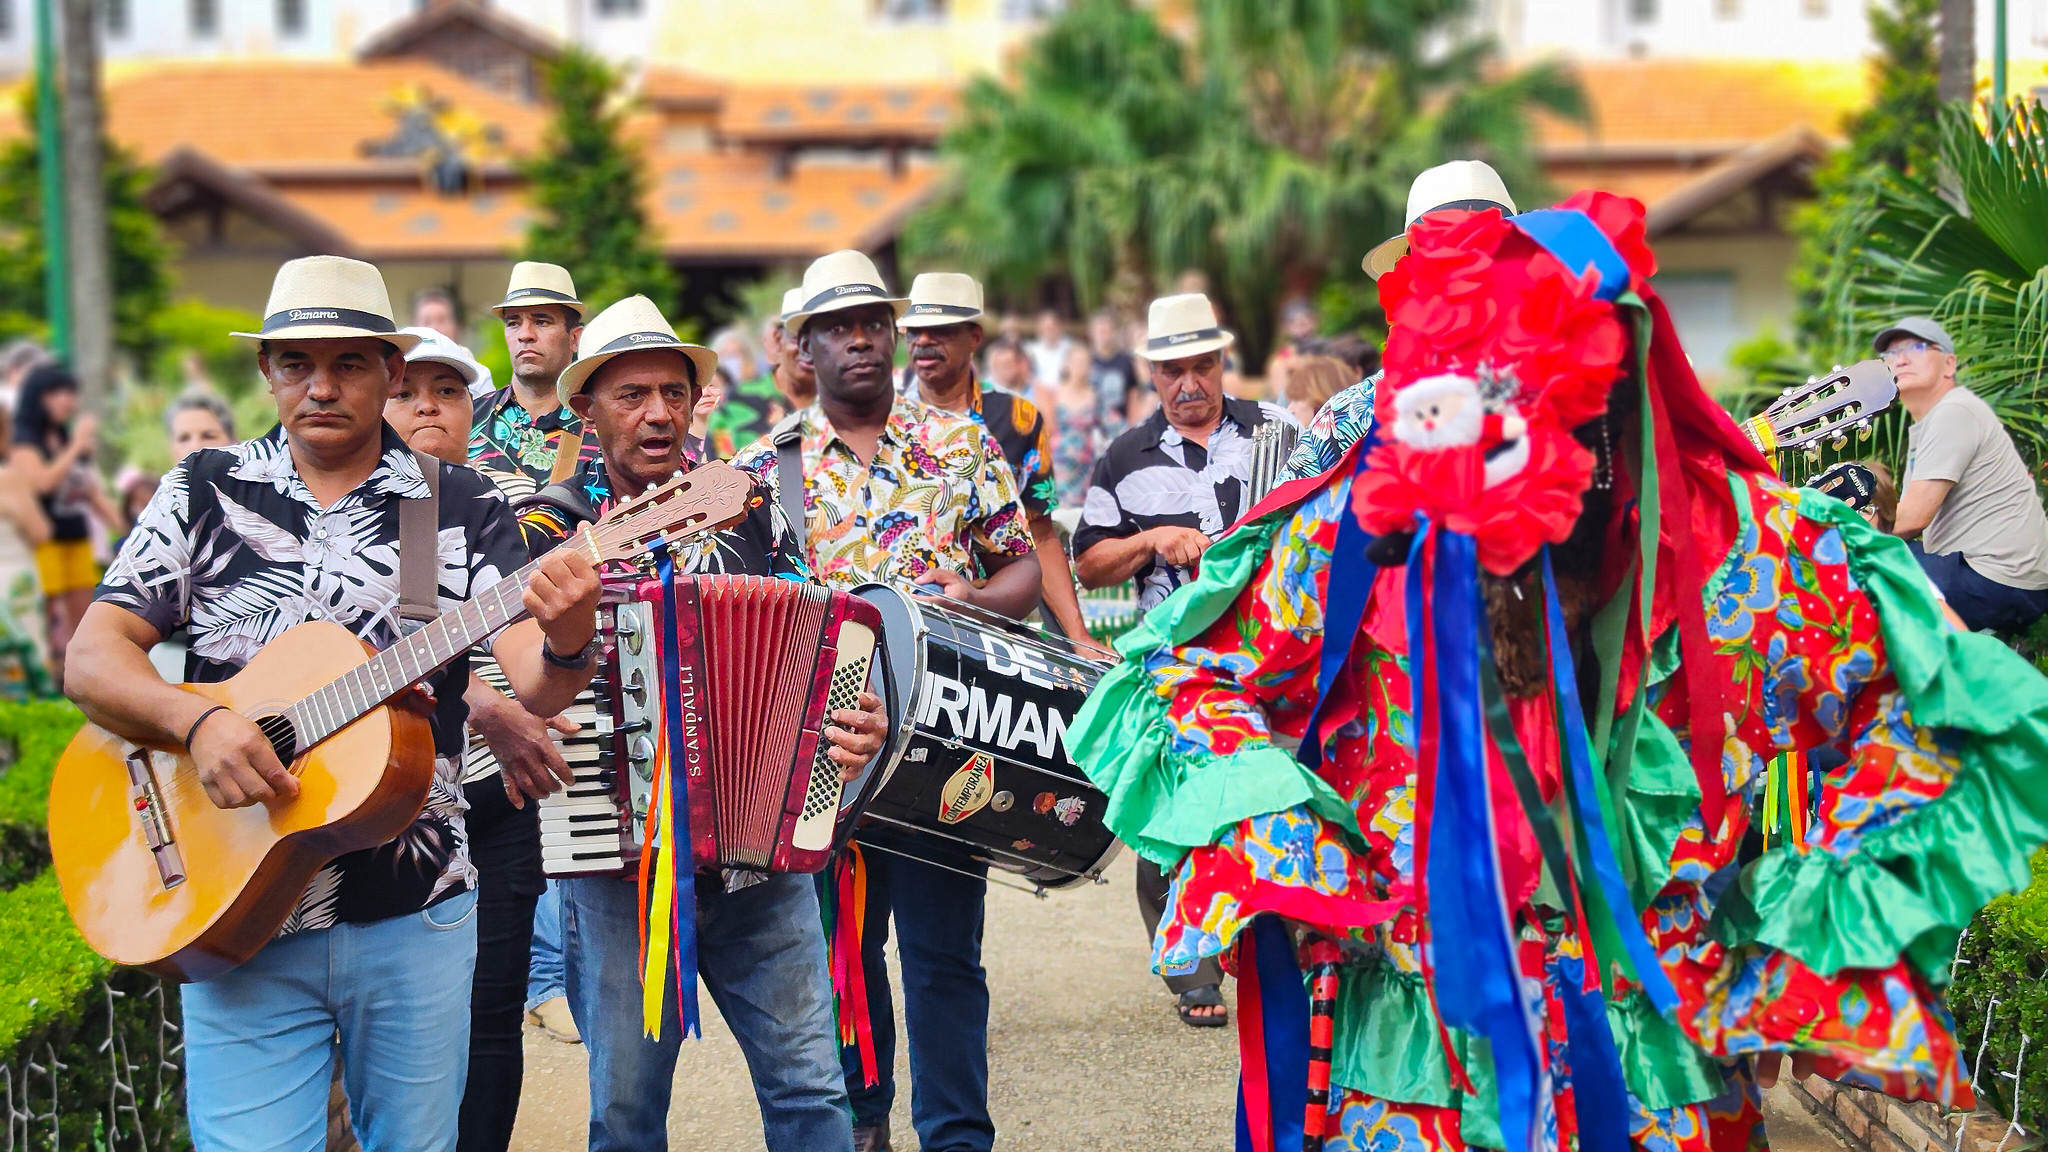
[(679, 844), (1283, 1028), (1578, 244), (1578, 757), (1598, 1092), (1472, 948), (1348, 590)]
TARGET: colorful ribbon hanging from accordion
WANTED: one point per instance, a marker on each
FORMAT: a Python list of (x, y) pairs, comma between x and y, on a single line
[(669, 936)]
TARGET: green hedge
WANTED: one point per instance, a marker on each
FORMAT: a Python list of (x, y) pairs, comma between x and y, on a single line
[(90, 1051), (2001, 980)]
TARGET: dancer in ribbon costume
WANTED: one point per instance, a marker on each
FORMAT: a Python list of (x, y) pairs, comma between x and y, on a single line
[(1496, 628)]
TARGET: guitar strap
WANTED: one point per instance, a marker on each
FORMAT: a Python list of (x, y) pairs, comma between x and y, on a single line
[(789, 478), (419, 551)]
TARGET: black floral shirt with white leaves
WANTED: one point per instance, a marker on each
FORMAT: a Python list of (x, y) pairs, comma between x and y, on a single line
[(235, 548)]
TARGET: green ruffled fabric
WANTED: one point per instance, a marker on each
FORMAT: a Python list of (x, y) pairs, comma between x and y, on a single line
[(1161, 803), (1912, 886), (1387, 1046)]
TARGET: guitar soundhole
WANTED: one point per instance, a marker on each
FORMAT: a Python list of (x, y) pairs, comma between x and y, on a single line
[(284, 738)]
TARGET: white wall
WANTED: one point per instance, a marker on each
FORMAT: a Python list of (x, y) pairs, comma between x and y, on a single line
[(1758, 29)]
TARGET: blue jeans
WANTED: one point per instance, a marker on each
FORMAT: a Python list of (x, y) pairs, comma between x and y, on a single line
[(1981, 601), (544, 979), (945, 1003), (391, 996), (761, 953)]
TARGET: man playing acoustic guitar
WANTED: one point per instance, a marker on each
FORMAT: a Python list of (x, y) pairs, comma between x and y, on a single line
[(240, 544)]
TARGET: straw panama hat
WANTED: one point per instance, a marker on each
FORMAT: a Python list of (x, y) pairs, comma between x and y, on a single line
[(1466, 184), (329, 298), (837, 281), (791, 301), (534, 284), (435, 348), (941, 298), (631, 325), (1182, 326)]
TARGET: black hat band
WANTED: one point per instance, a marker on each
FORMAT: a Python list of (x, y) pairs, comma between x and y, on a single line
[(512, 299), (944, 310), (640, 340), (1158, 343), (831, 294), (340, 317)]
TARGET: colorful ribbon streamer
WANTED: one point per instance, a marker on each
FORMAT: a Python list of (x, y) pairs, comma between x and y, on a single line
[(1477, 983), (672, 915), (846, 905), (1272, 1040)]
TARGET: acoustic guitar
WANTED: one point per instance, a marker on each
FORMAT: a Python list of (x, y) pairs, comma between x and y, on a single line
[(158, 877)]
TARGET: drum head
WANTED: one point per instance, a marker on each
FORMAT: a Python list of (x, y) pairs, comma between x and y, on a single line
[(894, 678)]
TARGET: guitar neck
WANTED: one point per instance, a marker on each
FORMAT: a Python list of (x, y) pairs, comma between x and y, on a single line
[(413, 658)]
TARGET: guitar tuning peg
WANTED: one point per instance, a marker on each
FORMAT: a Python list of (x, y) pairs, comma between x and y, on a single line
[(1809, 380), (1813, 452), (1838, 441), (1835, 369)]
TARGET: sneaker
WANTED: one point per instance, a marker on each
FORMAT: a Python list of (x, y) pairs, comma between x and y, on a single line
[(871, 1137), (552, 1017)]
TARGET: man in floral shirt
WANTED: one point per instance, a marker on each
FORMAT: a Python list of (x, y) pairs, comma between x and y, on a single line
[(518, 428), (901, 492)]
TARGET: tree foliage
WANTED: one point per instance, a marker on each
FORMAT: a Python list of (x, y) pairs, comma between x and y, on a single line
[(139, 253), (1270, 153), (589, 190), (1959, 240)]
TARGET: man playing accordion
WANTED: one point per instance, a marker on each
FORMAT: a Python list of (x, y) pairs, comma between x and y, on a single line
[(760, 950)]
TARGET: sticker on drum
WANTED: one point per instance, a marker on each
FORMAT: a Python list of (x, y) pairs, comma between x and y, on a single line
[(969, 790)]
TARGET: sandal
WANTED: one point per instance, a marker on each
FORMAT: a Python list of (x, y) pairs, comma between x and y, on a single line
[(1207, 996)]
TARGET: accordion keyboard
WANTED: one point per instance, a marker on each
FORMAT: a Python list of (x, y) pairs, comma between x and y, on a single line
[(595, 826)]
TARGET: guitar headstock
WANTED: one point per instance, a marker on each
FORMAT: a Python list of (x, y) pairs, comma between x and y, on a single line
[(703, 499), (1825, 407)]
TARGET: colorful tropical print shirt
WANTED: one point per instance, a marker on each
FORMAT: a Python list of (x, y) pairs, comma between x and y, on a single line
[(759, 545), (936, 495), (1020, 431), (515, 449), (1797, 640), (1342, 421), (234, 547)]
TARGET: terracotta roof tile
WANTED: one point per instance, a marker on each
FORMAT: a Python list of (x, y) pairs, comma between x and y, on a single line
[(1711, 105), (676, 86), (768, 112), (273, 115)]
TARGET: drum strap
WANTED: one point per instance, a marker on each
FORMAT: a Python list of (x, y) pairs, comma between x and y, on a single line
[(789, 478), (419, 551)]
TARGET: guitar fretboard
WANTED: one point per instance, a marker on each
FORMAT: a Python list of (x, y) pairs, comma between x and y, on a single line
[(413, 658)]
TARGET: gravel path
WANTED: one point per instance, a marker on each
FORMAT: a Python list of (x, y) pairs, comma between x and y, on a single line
[(1084, 1050)]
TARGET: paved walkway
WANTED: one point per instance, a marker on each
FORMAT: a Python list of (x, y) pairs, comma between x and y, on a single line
[(1084, 1050)]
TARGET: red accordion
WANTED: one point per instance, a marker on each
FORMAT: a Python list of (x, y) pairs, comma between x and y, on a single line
[(760, 665)]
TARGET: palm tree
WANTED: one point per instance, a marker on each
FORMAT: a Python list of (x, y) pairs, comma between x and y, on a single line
[(1271, 155), (1340, 104), (1964, 245), (1059, 173)]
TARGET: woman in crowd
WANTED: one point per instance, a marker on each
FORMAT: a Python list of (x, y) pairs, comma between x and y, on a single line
[(1077, 431), (52, 448), (198, 419), (1311, 381), (24, 650)]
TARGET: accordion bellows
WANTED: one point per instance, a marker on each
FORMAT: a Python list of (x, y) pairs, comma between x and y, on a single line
[(760, 666)]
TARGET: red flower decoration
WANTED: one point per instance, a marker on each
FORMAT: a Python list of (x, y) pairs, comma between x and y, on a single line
[(1625, 221)]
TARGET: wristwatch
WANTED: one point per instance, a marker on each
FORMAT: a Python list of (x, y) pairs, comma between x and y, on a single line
[(576, 663)]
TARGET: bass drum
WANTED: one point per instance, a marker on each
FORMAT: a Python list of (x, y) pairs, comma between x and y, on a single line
[(979, 773)]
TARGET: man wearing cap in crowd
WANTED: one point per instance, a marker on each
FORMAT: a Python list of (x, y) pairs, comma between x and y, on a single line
[(900, 492), (241, 543), (1461, 185), (1160, 493), (1969, 507), (944, 327), (760, 950)]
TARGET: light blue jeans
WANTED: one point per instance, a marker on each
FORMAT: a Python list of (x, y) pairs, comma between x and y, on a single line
[(761, 953), (390, 997), (544, 979)]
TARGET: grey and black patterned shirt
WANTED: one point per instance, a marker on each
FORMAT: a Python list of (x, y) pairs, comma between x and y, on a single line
[(234, 547), (1153, 477)]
